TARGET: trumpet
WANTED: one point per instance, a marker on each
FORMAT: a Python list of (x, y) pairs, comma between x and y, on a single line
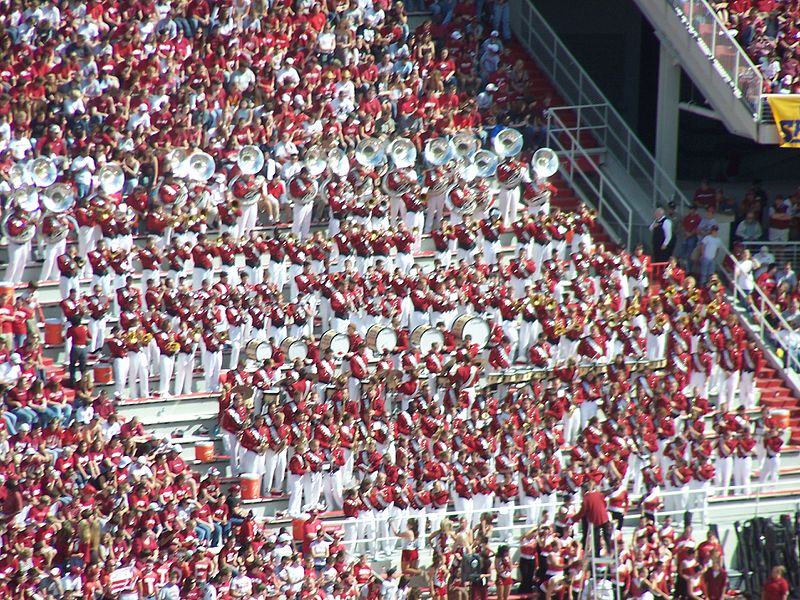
[(670, 291), (147, 338), (131, 338), (559, 330), (551, 305), (537, 300), (662, 320), (173, 347)]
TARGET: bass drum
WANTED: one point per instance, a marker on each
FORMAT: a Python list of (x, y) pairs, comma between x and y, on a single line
[(424, 336), (476, 328), (258, 350), (381, 338), (336, 342), (294, 349)]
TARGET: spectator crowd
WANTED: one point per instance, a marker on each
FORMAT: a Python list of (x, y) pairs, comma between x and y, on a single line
[(596, 376)]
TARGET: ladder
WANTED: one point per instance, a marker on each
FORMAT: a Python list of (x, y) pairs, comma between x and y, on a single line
[(602, 565)]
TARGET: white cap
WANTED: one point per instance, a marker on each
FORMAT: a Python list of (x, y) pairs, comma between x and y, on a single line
[(124, 462), (284, 537), (143, 106), (491, 88), (25, 427), (495, 33), (456, 35), (289, 61), (16, 358)]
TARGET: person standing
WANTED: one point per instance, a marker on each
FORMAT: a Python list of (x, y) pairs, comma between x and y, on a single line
[(661, 229), (776, 587), (80, 336), (594, 512), (709, 249)]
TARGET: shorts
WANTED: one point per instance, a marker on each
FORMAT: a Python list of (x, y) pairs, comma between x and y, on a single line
[(409, 555)]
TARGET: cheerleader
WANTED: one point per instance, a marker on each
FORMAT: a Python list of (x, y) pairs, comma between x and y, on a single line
[(502, 563), (409, 557), (438, 576)]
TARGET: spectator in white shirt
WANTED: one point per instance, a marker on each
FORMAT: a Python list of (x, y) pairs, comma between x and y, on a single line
[(743, 272), (241, 586), (287, 76), (711, 246), (171, 591), (82, 168), (764, 258), (140, 119), (111, 427)]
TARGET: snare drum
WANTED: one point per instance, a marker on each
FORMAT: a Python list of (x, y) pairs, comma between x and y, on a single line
[(258, 350), (381, 338), (294, 349), (336, 342), (476, 328), (424, 336)]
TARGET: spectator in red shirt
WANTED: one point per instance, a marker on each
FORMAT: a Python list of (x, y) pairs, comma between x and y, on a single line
[(776, 587), (80, 336), (19, 326), (594, 512)]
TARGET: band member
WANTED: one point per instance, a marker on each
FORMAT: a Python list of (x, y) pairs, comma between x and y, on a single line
[(118, 351), (20, 230), (99, 307), (169, 346), (69, 265)]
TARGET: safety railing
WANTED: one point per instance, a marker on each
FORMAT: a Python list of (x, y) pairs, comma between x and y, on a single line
[(379, 529), (730, 59), (707, 505), (767, 321), (781, 252), (592, 185), (593, 112)]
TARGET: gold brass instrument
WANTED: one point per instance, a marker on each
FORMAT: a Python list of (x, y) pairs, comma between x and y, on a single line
[(173, 347), (147, 337), (662, 320), (559, 330)]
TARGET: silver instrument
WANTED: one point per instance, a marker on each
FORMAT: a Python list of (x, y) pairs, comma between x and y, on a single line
[(465, 145), (437, 151), (338, 163), (485, 162), (544, 163), (177, 160), (19, 227), (18, 176), (43, 172), (316, 161), (58, 198), (26, 199), (370, 153), (403, 153), (250, 160), (398, 181), (200, 166), (54, 227), (508, 143), (302, 189), (111, 178)]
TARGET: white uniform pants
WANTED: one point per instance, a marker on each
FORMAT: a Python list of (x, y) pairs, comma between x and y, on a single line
[(433, 212), (139, 375), (97, 329), (572, 426), (301, 219), (724, 473), (728, 384), (769, 473), (184, 364), (233, 448), (274, 471), (51, 253), (120, 367), (742, 468), (295, 494), (212, 364), (747, 389), (507, 203), (332, 489), (166, 367)]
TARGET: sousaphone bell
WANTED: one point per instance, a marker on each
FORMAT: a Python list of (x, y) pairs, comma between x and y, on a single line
[(201, 166), (43, 172)]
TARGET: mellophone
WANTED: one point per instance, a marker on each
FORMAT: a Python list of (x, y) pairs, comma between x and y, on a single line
[(524, 374)]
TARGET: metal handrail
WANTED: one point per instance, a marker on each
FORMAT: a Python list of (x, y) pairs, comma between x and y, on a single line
[(782, 251), (602, 194), (593, 110), (763, 309), (701, 11)]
